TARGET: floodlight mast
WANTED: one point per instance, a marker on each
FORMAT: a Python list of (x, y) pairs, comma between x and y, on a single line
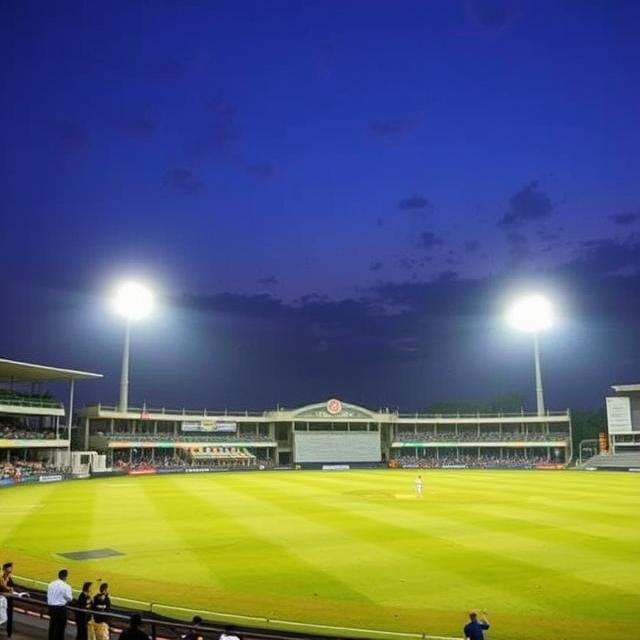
[(133, 301), (539, 390), (533, 314), (123, 404)]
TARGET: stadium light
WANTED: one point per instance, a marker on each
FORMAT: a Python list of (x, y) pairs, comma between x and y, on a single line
[(133, 301), (533, 314)]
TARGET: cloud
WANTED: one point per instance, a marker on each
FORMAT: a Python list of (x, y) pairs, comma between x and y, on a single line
[(261, 170), (625, 219), (491, 15), (219, 129), (268, 281), (546, 235), (375, 266), (183, 180), (428, 240), (607, 256), (168, 68), (411, 264), (137, 125), (414, 202), (526, 205), (392, 129), (69, 136)]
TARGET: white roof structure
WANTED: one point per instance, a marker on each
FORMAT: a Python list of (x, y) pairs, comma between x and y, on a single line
[(625, 388), (15, 371)]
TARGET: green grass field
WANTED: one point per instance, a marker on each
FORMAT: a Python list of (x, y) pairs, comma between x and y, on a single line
[(550, 555)]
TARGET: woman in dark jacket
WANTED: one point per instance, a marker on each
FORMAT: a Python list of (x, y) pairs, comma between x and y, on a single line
[(83, 617), (101, 605)]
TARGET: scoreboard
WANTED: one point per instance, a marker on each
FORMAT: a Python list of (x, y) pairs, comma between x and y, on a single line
[(336, 446)]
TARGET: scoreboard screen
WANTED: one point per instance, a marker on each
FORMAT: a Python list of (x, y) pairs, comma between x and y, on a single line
[(336, 446)]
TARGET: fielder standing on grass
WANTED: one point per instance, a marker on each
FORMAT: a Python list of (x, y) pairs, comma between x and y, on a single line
[(478, 623), (419, 486)]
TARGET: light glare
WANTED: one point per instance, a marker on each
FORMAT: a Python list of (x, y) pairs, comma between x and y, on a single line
[(133, 301), (531, 313)]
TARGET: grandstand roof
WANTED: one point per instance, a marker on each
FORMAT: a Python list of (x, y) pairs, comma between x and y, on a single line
[(625, 387), (30, 372)]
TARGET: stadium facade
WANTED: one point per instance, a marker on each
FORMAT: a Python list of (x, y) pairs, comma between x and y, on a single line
[(325, 433)]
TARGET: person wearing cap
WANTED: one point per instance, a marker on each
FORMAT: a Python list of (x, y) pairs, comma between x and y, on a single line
[(133, 631), (477, 625)]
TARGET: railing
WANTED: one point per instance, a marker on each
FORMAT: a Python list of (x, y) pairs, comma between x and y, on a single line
[(183, 412), (519, 414), (40, 403), (162, 623)]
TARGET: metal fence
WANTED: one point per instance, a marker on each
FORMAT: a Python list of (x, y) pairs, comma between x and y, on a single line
[(166, 621)]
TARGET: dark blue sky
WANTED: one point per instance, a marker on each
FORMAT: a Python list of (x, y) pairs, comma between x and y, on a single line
[(334, 198)]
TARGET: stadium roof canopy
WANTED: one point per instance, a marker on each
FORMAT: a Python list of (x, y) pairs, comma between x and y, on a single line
[(625, 387), (12, 370)]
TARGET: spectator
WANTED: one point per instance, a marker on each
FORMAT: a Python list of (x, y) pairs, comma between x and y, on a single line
[(6, 582), (474, 629), (58, 597), (101, 605), (194, 633), (83, 618), (133, 631)]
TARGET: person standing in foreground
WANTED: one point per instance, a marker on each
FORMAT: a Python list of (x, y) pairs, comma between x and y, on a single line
[(83, 618), (477, 624), (101, 605), (58, 597), (419, 486), (133, 631)]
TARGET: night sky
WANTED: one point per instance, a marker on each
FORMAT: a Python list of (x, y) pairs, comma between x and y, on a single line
[(330, 198)]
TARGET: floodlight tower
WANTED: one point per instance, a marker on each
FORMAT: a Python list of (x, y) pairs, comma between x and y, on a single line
[(134, 302), (533, 314)]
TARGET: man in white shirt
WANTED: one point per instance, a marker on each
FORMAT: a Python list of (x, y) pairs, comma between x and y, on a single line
[(58, 596)]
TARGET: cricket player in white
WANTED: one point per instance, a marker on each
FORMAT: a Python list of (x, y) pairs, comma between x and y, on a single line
[(419, 486)]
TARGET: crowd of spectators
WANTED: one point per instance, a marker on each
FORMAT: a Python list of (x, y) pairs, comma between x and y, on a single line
[(484, 461), (10, 432), (19, 469), (483, 436), (147, 462), (203, 436)]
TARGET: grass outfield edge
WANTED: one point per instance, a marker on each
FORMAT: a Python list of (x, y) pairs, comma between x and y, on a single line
[(276, 623)]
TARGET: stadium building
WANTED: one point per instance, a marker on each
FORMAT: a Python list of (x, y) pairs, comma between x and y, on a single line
[(326, 433), (34, 426)]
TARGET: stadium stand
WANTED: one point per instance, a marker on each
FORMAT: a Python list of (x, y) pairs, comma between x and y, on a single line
[(624, 461), (472, 461), (490, 436)]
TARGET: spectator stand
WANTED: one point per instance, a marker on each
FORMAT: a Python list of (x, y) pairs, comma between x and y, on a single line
[(35, 438)]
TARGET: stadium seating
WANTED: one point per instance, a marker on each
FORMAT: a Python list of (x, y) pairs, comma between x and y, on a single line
[(615, 461), (484, 436), (11, 433), (11, 397), (471, 461), (181, 437)]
